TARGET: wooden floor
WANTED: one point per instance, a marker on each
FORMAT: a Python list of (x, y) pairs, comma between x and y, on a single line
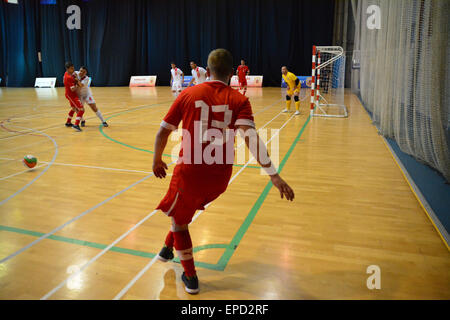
[(353, 209)]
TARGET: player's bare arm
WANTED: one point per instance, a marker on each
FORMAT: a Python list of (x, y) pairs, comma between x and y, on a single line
[(159, 166), (278, 182)]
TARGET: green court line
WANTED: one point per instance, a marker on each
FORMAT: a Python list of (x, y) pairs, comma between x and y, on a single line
[(128, 111), (229, 251), (132, 252), (229, 248), (145, 150)]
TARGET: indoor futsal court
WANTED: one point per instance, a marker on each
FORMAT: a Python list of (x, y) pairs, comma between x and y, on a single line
[(367, 153)]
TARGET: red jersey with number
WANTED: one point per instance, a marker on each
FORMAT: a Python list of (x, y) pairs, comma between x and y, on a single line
[(242, 72), (69, 82), (209, 111)]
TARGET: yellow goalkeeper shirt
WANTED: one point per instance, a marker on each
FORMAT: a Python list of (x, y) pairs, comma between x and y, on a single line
[(290, 79)]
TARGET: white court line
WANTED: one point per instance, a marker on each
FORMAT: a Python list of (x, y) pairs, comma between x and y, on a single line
[(116, 169), (141, 273), (38, 115), (22, 133), (243, 167), (268, 107), (136, 278), (138, 171), (87, 264), (39, 175), (35, 113), (102, 168), (85, 166), (50, 293), (73, 219), (27, 170), (59, 286), (22, 146), (129, 170)]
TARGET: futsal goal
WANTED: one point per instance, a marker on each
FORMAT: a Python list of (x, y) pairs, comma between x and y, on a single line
[(327, 82)]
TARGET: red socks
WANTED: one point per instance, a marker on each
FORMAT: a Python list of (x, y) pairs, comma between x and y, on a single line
[(181, 240), (69, 119), (169, 240), (79, 116), (183, 246)]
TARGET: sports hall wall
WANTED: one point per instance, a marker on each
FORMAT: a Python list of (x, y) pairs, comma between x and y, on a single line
[(121, 38)]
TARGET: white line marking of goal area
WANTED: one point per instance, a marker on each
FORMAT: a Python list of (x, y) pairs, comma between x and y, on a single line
[(136, 278), (74, 219), (60, 285), (102, 168), (87, 264), (84, 166), (39, 175), (72, 276), (141, 273), (23, 133), (17, 173)]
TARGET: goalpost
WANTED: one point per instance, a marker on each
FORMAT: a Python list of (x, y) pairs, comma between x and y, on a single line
[(327, 83)]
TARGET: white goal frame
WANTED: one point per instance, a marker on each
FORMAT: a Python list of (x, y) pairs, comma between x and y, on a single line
[(318, 101)]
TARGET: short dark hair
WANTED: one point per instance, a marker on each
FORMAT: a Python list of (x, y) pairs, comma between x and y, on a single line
[(83, 67), (68, 64), (220, 62)]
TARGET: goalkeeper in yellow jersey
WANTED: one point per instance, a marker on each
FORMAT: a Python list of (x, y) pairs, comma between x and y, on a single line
[(293, 89)]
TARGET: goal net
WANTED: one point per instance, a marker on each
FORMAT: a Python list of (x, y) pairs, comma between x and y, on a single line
[(327, 84)]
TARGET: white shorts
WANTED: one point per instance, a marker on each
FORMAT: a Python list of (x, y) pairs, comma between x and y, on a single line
[(177, 85), (89, 99)]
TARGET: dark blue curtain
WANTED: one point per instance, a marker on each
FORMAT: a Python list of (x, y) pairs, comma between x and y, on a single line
[(137, 37), (3, 54), (19, 43), (58, 43)]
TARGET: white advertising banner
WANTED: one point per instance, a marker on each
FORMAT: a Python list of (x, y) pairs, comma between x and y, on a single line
[(142, 81), (252, 81), (45, 83)]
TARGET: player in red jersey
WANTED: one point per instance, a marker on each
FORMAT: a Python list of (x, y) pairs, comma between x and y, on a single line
[(242, 72), (210, 113), (71, 84)]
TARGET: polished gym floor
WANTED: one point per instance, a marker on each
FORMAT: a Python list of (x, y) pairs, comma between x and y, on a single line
[(82, 225)]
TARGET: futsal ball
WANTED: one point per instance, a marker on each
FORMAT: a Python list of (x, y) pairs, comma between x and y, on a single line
[(29, 161)]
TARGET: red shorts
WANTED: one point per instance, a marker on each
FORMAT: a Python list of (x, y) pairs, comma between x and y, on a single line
[(243, 82), (74, 101), (191, 189)]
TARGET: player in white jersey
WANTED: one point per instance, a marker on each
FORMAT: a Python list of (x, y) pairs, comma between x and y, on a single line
[(85, 94), (176, 79), (198, 74)]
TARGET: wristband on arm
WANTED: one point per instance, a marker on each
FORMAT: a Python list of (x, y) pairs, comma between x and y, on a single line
[(270, 170)]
